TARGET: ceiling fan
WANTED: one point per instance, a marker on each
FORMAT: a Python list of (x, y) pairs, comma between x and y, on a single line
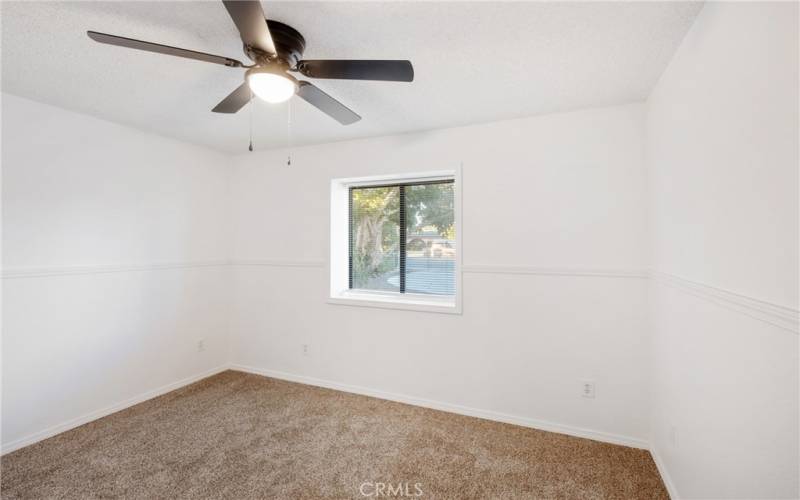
[(276, 49)]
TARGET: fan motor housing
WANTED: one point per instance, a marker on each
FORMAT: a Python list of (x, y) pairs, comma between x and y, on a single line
[(289, 44)]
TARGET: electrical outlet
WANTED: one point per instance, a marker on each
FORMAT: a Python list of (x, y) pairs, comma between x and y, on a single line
[(201, 345), (587, 389), (305, 349), (673, 436)]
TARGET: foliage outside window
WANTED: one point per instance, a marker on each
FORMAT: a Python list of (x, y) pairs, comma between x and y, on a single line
[(402, 238)]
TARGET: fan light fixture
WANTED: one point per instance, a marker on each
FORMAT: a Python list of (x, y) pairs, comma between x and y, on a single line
[(276, 50), (270, 85)]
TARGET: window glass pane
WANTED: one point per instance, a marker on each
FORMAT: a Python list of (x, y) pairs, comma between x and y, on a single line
[(375, 237), (430, 239)]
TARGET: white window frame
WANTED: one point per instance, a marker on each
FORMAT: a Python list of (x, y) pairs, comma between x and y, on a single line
[(339, 259)]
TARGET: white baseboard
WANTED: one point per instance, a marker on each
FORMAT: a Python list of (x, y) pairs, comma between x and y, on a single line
[(85, 419), (662, 469), (451, 408)]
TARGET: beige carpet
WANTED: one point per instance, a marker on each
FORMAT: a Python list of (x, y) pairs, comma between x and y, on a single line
[(241, 436)]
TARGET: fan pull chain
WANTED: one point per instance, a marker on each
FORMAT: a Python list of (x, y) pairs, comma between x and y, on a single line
[(289, 132), (251, 121)]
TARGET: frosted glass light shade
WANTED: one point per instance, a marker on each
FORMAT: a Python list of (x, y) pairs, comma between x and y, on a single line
[(271, 87)]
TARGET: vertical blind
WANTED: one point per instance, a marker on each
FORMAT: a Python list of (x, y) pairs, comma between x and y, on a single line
[(402, 238)]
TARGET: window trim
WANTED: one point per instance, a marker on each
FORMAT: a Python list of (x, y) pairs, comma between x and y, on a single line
[(340, 246)]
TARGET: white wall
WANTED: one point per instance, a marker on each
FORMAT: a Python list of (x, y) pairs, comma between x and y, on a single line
[(557, 197), (722, 155), (114, 247)]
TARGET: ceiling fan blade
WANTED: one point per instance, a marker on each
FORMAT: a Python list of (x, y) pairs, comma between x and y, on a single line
[(249, 18), (130, 43), (235, 100), (325, 103), (392, 71)]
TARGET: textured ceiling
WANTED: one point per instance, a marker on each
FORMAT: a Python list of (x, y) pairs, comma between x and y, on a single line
[(474, 62)]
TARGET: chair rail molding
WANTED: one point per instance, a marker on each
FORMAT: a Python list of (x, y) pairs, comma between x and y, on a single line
[(786, 318), (783, 317), (555, 271), (278, 263), (40, 272)]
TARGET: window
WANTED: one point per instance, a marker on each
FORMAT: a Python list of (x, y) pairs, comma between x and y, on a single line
[(402, 238), (397, 238)]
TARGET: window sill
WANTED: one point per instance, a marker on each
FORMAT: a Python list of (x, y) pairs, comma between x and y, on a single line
[(394, 301)]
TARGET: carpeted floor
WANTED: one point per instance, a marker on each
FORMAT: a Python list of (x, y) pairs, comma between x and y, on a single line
[(240, 436)]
